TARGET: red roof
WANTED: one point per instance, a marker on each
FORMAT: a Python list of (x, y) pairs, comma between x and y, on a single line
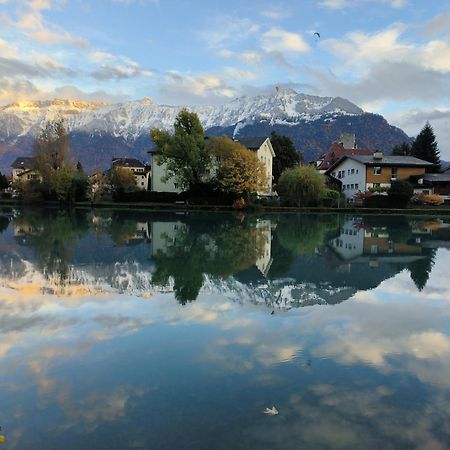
[(337, 151)]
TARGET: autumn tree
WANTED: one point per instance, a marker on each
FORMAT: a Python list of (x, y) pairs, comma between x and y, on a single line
[(301, 186), (425, 147), (123, 180), (286, 154), (238, 170), (184, 152)]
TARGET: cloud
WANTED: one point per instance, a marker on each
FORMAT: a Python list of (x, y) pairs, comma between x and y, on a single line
[(195, 89), (125, 69), (249, 57), (275, 12), (279, 40), (225, 31), (439, 24)]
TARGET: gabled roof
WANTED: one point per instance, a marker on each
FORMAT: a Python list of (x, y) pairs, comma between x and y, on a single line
[(433, 178), (127, 162), (391, 161), (23, 162), (338, 151), (252, 143)]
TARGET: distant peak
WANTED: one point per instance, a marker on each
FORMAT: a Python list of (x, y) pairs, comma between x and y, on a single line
[(147, 101)]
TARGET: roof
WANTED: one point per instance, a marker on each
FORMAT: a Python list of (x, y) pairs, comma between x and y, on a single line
[(252, 143), (433, 178), (389, 160), (23, 162), (337, 151), (127, 162)]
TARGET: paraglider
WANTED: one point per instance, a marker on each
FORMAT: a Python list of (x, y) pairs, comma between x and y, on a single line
[(317, 34)]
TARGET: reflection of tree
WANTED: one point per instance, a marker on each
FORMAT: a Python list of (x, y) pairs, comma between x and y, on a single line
[(218, 250), (302, 234), (420, 270), (53, 236), (4, 222)]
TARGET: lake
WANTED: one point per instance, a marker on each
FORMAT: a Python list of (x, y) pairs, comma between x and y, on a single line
[(146, 330)]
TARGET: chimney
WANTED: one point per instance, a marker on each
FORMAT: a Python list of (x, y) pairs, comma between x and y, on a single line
[(378, 155)]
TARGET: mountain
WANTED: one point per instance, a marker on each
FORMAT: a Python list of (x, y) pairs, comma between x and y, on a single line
[(100, 131)]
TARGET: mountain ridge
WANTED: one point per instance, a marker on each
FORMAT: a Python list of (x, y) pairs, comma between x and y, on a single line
[(100, 130)]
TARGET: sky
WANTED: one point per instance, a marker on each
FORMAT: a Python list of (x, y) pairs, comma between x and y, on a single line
[(388, 56)]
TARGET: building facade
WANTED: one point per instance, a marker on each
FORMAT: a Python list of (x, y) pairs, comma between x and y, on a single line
[(23, 169), (140, 171), (360, 173)]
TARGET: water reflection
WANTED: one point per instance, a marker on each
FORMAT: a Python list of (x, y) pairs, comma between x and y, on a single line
[(281, 261), (97, 351)]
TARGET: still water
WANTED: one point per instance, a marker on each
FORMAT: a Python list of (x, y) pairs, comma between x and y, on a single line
[(138, 330)]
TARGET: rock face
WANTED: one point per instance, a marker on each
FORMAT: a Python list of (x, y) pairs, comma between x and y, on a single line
[(100, 131)]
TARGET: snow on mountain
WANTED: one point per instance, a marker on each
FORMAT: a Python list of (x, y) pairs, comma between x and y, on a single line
[(135, 118)]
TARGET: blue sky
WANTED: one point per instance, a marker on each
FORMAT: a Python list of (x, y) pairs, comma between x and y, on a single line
[(388, 56)]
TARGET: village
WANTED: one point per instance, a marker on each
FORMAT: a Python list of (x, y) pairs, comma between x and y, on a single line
[(190, 166)]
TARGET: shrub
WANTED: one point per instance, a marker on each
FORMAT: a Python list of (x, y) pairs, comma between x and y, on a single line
[(400, 193), (431, 199), (301, 186)]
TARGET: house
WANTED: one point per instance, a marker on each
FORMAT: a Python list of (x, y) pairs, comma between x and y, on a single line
[(23, 169), (140, 171), (345, 146), (433, 183), (359, 173), (260, 145), (265, 153)]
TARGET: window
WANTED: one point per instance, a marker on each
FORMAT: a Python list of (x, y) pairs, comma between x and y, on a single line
[(394, 173), (374, 249), (353, 186), (357, 170), (353, 171), (377, 170), (348, 172), (348, 186), (376, 185), (343, 187), (356, 186)]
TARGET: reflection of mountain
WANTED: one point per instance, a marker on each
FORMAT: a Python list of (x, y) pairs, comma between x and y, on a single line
[(279, 261)]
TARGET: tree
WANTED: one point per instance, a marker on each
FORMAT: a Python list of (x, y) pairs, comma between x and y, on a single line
[(3, 181), (285, 155), (400, 192), (184, 153), (61, 184), (301, 186), (238, 171), (52, 151), (123, 180), (425, 147), (403, 149)]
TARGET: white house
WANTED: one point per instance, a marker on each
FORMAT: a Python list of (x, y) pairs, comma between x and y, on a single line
[(140, 171), (359, 173), (23, 169), (260, 145)]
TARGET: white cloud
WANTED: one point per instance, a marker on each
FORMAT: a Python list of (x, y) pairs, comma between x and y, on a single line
[(275, 12), (341, 4), (249, 57), (279, 40)]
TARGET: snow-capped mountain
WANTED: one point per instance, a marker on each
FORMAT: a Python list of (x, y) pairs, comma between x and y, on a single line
[(100, 131)]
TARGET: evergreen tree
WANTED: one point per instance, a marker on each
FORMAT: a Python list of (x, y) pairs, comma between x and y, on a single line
[(3, 181), (420, 270), (285, 155), (425, 147), (403, 149)]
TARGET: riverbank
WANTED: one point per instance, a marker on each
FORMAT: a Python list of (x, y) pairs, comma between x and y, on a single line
[(424, 210)]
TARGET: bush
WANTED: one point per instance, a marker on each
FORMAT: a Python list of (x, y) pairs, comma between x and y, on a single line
[(431, 199), (301, 186), (331, 198), (400, 193)]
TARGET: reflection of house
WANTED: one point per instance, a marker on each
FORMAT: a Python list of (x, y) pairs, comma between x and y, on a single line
[(345, 146), (23, 230), (360, 173), (264, 262), (23, 169), (165, 234), (140, 171), (260, 145), (373, 245)]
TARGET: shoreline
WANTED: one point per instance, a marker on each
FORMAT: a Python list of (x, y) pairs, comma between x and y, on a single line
[(445, 210)]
